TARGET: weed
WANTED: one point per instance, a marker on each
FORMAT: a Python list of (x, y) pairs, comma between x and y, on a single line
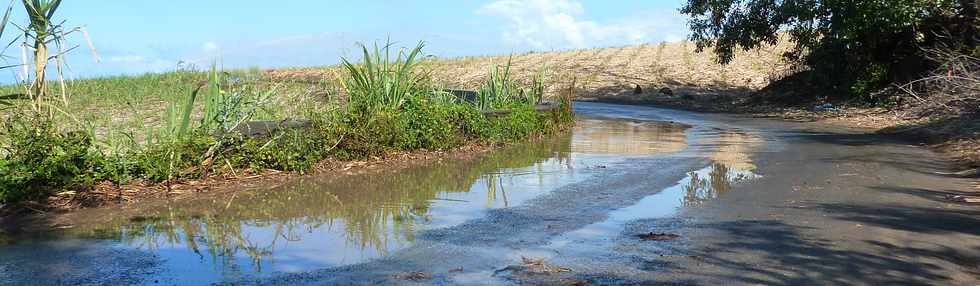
[(378, 82), (40, 158)]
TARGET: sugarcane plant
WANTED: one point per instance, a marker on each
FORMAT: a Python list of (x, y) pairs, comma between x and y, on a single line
[(39, 34), (380, 82), (39, 30), (500, 89)]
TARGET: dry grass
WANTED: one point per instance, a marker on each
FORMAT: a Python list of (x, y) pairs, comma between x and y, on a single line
[(603, 71)]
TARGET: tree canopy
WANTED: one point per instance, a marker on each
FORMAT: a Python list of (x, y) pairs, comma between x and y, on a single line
[(854, 46)]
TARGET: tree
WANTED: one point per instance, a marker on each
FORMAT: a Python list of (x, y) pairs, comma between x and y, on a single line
[(852, 47)]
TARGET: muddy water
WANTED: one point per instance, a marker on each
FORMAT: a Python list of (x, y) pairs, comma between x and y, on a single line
[(332, 221)]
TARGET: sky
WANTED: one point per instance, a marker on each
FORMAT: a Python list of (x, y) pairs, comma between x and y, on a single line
[(136, 36)]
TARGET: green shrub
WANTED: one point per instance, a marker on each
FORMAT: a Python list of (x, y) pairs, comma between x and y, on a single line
[(428, 124), (172, 159), (38, 159), (521, 123), (293, 151), (869, 80)]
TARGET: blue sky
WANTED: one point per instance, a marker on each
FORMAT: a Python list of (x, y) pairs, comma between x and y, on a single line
[(152, 36)]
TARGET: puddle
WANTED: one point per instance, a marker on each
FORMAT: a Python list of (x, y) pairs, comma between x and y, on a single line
[(326, 222), (695, 189), (730, 166), (627, 138)]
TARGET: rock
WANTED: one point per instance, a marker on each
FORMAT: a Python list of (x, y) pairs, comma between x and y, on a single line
[(463, 95), (638, 89), (666, 91), (258, 129)]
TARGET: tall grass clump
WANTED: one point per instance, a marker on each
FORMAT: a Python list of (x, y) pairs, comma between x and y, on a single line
[(499, 90), (380, 82), (394, 106), (6, 100), (390, 104), (192, 146)]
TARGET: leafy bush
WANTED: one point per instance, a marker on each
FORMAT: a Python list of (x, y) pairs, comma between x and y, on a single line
[(179, 158), (291, 150), (38, 158)]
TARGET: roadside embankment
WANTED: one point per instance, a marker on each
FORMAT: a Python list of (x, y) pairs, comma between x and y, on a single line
[(231, 129)]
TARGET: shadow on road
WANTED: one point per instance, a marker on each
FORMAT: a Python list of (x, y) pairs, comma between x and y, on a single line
[(790, 257)]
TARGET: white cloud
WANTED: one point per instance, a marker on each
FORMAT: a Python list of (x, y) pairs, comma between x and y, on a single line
[(210, 47), (558, 24)]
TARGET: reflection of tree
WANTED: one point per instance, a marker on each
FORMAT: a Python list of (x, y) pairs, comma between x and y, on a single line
[(495, 185), (372, 210), (730, 164), (719, 180)]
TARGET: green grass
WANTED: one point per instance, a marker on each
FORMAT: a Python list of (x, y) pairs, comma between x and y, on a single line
[(380, 83), (500, 90), (121, 110)]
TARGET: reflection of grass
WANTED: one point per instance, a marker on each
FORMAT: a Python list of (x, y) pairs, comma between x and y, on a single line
[(696, 192), (375, 209)]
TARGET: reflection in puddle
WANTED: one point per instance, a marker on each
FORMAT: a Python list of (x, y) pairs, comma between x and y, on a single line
[(327, 222), (623, 137), (703, 185), (730, 165)]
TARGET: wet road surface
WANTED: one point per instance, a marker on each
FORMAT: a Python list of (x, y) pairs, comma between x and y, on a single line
[(750, 202)]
